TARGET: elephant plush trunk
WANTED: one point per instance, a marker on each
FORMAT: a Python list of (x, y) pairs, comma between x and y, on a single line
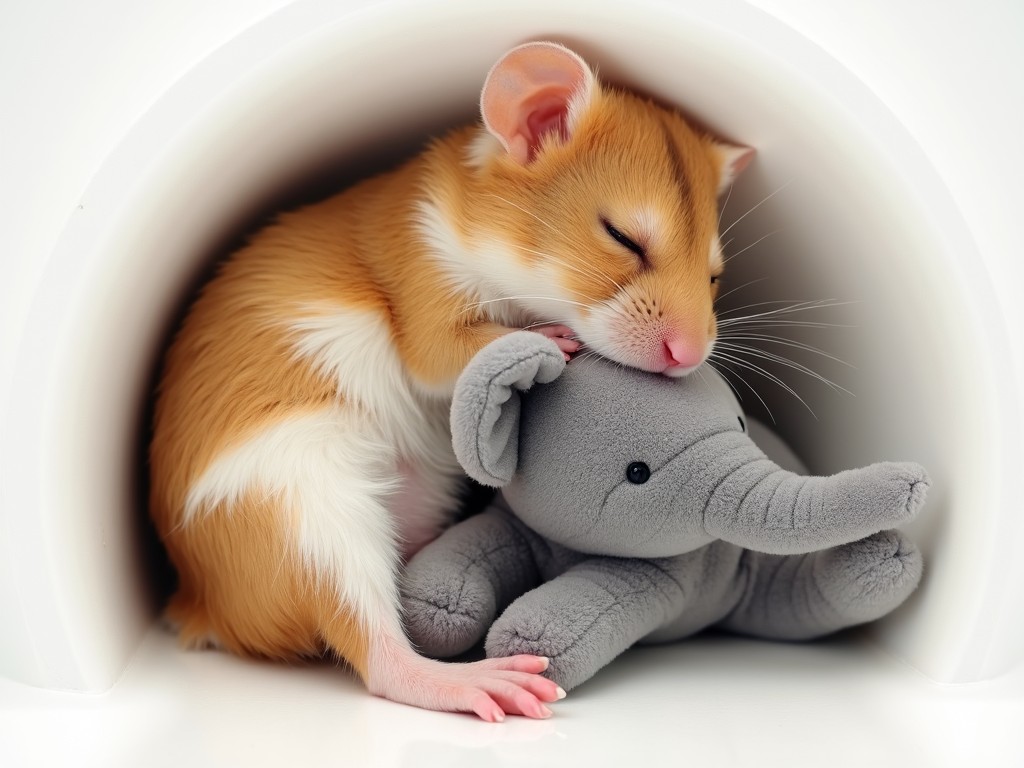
[(756, 504)]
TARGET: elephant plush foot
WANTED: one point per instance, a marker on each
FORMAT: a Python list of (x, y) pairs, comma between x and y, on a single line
[(531, 626), (864, 580), (799, 597), (455, 586), (587, 616), (443, 622)]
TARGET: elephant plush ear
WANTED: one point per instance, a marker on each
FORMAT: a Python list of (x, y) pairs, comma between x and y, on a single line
[(486, 405)]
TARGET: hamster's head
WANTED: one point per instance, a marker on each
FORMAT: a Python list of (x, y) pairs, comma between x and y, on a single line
[(600, 209)]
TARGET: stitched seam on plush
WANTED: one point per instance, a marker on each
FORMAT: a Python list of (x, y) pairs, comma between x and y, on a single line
[(696, 442), (903, 567), (824, 598), (616, 603), (745, 597), (770, 589), (722, 482), (475, 562), (432, 604), (669, 576), (771, 499)]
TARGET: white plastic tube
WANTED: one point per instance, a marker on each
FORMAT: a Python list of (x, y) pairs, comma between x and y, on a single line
[(863, 217)]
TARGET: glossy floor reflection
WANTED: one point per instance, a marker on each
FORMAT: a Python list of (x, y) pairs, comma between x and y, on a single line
[(711, 701)]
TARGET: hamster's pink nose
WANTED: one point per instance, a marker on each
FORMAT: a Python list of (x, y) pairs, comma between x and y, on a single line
[(681, 354)]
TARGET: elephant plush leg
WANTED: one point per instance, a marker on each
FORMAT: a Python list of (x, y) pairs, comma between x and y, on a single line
[(587, 616), (454, 587), (797, 597)]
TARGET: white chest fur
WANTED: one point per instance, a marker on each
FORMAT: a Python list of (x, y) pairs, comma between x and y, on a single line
[(356, 478)]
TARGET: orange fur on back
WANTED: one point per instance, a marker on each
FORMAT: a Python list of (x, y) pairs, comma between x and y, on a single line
[(232, 370)]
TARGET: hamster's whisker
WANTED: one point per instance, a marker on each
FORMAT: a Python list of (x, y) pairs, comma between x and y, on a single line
[(477, 304), (791, 306), (519, 207), (756, 206), (553, 229), (595, 270), (704, 381), (745, 248), (723, 372), (781, 360), (731, 336), (589, 356), (740, 287), (722, 367), (774, 317), (735, 360), (568, 265), (733, 310), (610, 309), (721, 211), (763, 324), (541, 323)]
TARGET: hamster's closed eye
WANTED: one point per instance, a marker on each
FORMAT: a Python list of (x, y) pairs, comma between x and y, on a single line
[(625, 241)]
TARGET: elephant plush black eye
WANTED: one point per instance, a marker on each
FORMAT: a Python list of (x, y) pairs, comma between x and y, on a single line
[(638, 473), (742, 425)]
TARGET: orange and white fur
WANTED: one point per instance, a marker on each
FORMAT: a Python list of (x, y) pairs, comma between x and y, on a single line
[(301, 447)]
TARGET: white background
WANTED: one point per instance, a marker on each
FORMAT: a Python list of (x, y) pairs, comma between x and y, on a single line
[(75, 77)]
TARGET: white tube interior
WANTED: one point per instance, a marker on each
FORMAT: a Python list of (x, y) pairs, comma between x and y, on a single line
[(854, 211)]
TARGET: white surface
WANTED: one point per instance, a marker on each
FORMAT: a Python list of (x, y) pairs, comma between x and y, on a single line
[(952, 74), (76, 78), (713, 702), (937, 178)]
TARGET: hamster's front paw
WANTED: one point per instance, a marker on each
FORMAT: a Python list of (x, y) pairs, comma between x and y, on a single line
[(507, 638), (562, 335)]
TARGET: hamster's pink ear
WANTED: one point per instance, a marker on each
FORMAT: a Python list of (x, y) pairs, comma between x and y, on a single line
[(734, 159), (532, 91)]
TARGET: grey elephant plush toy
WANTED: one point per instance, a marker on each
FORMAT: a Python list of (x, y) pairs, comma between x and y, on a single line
[(636, 507)]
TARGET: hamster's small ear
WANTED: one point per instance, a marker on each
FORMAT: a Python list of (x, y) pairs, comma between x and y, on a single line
[(733, 160), (532, 91), (486, 405)]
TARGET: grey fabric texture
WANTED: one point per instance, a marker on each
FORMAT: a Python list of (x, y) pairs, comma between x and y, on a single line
[(577, 561), (487, 420)]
